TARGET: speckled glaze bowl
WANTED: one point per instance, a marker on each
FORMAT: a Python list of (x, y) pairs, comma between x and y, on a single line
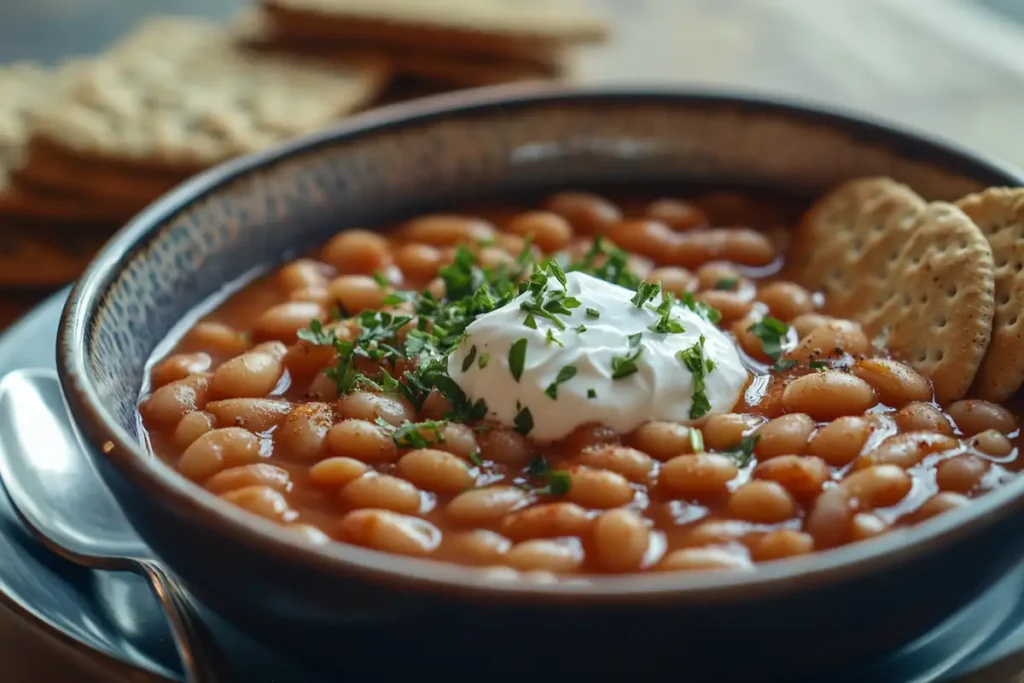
[(368, 614)]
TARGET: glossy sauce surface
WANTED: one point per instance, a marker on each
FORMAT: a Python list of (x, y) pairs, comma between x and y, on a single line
[(832, 442)]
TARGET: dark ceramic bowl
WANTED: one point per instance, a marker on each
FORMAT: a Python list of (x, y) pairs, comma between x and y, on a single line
[(369, 613)]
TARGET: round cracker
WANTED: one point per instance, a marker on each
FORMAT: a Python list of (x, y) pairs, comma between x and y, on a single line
[(848, 240), (999, 214), (937, 309)]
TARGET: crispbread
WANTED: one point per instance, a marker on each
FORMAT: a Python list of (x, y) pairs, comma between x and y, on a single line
[(179, 93), (936, 310), (47, 254), (20, 203), (999, 214), (848, 239), (499, 27), (23, 88)]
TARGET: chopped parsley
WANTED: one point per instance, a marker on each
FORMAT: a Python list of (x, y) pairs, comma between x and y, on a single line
[(482, 361), (593, 313), (591, 393), (564, 375), (700, 367), (550, 338), (467, 362), (415, 434), (727, 284), (819, 365), (517, 358), (556, 482), (696, 440), (665, 324), (624, 366), (523, 420), (580, 329), (644, 293), (380, 278), (772, 333), (700, 308), (743, 452)]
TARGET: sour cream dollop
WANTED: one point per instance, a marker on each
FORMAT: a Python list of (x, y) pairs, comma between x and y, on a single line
[(568, 377)]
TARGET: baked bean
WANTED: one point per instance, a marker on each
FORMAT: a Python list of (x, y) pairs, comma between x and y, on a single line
[(437, 288), (762, 501), (782, 543), (256, 474), (171, 402), (590, 436), (785, 300), (357, 251), (283, 321), (357, 293), (992, 443), (391, 532), (676, 214), (317, 295), (504, 446), (486, 505), (547, 520), (362, 405), (665, 440), (922, 417), (492, 258), (939, 503), (418, 262), (690, 559), (191, 427), (514, 245), (587, 213), (802, 475), (302, 274), (721, 276), (322, 388), (435, 406), (336, 472), (961, 473), (549, 231), (599, 489), (261, 500), (974, 416), (621, 538), (716, 532), (478, 546), (179, 366), (361, 440), (806, 323), (447, 230), (829, 519), (304, 429), (785, 435), (828, 395), (865, 525), (674, 280), (305, 359), (459, 440), (382, 491), (908, 449), (219, 338), (877, 486), (254, 374), (736, 245), (562, 555), (632, 464), (254, 414), (646, 237), (731, 305), (217, 450), (307, 533), (839, 442), (704, 475), (831, 340), (895, 383), (434, 470), (748, 341), (726, 430)]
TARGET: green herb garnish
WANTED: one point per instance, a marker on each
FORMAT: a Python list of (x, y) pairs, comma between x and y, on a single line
[(727, 284), (467, 362), (785, 364), (556, 482), (700, 367), (593, 313), (517, 358), (645, 292), (483, 360), (819, 365), (415, 434), (591, 393), (550, 339), (772, 333), (564, 375), (696, 440), (743, 452), (523, 420), (624, 366)]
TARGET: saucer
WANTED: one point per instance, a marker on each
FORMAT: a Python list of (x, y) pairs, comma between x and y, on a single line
[(113, 617)]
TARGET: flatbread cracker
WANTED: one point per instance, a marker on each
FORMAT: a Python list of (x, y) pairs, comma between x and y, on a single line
[(936, 311), (180, 93), (24, 87), (999, 214), (21, 203), (847, 241), (499, 27)]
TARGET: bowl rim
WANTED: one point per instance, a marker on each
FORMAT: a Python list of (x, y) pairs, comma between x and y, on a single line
[(149, 474)]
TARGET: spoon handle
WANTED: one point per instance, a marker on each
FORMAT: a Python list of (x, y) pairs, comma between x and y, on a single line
[(191, 639)]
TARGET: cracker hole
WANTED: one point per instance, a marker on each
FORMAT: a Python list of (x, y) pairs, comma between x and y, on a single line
[(1004, 299), (951, 290), (922, 356), (924, 298), (1012, 321), (941, 321)]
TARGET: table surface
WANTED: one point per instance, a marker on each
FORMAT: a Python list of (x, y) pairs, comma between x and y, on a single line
[(952, 68)]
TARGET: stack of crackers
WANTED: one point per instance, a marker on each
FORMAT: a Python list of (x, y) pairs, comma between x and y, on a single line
[(86, 145), (939, 285)]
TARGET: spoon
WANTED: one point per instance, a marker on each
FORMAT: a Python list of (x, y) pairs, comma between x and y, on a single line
[(65, 504)]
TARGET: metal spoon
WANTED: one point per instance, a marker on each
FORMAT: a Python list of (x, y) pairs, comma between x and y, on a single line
[(62, 500)]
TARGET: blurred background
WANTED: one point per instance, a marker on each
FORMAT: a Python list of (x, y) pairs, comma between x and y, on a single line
[(953, 68)]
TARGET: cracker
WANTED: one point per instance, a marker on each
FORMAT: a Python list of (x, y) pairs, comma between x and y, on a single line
[(46, 254), (999, 214), (24, 87), (937, 308), (499, 27), (180, 94), (847, 241), (21, 202)]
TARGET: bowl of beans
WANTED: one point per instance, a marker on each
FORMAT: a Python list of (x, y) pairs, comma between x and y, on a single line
[(674, 375)]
